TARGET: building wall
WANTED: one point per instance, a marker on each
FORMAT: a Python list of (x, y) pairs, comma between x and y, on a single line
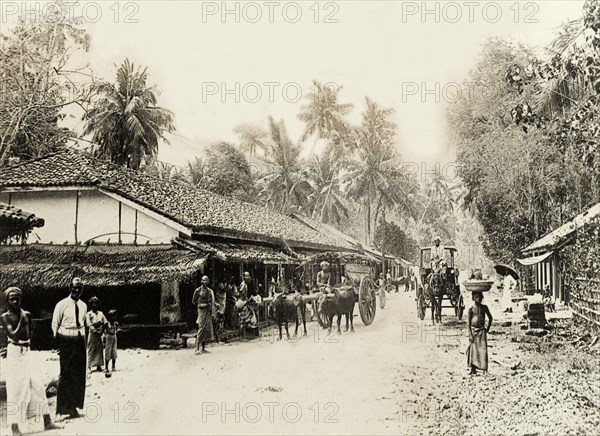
[(548, 273), (77, 216)]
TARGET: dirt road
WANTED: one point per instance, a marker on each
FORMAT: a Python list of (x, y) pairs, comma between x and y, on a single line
[(397, 376)]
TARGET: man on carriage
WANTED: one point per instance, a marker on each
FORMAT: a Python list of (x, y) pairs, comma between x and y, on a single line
[(438, 259), (324, 277), (324, 281)]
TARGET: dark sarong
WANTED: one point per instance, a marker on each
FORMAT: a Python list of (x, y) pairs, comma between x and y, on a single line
[(95, 349), (205, 325), (477, 354), (71, 383)]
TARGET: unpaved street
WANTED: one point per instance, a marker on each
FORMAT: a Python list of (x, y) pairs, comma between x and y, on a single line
[(397, 376)]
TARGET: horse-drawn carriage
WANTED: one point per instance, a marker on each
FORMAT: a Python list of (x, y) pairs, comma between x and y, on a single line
[(352, 282), (439, 284)]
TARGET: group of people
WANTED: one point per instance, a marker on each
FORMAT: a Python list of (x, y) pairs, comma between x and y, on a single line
[(85, 339), (230, 306)]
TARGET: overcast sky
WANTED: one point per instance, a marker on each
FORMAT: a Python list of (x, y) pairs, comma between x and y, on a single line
[(265, 53)]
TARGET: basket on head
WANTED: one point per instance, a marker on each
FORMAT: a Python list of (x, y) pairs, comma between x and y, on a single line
[(478, 285)]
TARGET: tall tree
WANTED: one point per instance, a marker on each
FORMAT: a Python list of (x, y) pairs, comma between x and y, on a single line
[(328, 202), (196, 169), (397, 242), (252, 138), (125, 120), (284, 187), (324, 116), (38, 80), (226, 171), (372, 171)]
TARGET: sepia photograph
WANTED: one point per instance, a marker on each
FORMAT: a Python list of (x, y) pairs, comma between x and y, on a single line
[(349, 217)]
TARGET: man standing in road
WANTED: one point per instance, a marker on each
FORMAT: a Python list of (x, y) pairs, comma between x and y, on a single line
[(69, 335), (204, 300)]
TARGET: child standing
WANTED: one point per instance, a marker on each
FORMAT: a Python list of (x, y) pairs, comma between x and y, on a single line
[(110, 339), (95, 322), (477, 355)]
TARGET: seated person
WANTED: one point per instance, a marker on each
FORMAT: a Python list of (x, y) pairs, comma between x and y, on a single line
[(438, 259), (549, 299), (324, 277)]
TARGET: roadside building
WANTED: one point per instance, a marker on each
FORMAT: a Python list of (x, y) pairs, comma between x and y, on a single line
[(139, 242), (544, 261)]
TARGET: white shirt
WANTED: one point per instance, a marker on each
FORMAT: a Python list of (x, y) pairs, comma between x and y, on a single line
[(63, 319), (437, 253)]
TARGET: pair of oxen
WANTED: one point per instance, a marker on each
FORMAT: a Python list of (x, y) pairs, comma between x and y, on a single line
[(290, 307)]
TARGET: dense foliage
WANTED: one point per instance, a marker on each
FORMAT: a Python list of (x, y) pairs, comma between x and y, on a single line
[(395, 241), (527, 144), (37, 81)]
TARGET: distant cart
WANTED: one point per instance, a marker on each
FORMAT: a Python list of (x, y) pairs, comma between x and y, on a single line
[(435, 288)]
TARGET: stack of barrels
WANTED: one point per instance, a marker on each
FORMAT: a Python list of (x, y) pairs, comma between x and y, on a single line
[(536, 315)]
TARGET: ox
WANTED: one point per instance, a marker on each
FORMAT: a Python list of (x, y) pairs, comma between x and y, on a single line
[(342, 303), (287, 308)]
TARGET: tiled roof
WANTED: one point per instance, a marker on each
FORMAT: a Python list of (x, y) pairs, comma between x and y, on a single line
[(554, 238), (197, 209)]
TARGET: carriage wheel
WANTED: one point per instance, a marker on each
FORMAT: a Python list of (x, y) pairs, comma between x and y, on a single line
[(382, 298), (322, 319), (367, 304), (421, 306), (460, 308)]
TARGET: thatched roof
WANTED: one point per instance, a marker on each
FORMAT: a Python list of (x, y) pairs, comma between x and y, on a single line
[(42, 265), (15, 222), (340, 257), (234, 252), (201, 211)]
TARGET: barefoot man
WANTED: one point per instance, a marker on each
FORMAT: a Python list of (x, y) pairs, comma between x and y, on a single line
[(69, 334), (25, 394), (204, 299), (477, 355)]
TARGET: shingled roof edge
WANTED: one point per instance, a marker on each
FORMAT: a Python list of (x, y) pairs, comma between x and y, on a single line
[(97, 172)]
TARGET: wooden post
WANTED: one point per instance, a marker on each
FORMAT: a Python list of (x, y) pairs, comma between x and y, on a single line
[(383, 232), (135, 231), (76, 213), (120, 223)]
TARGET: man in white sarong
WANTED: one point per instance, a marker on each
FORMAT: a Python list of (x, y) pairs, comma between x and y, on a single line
[(26, 397)]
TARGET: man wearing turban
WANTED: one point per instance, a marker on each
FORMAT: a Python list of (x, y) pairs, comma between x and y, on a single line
[(25, 394)]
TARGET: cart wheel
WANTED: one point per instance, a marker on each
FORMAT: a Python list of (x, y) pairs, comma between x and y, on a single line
[(421, 306), (322, 319), (460, 308), (367, 304), (382, 298)]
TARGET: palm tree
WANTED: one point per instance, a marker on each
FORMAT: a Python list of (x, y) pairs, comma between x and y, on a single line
[(252, 138), (284, 187), (196, 170), (328, 201), (324, 115), (372, 172), (166, 171), (125, 120)]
